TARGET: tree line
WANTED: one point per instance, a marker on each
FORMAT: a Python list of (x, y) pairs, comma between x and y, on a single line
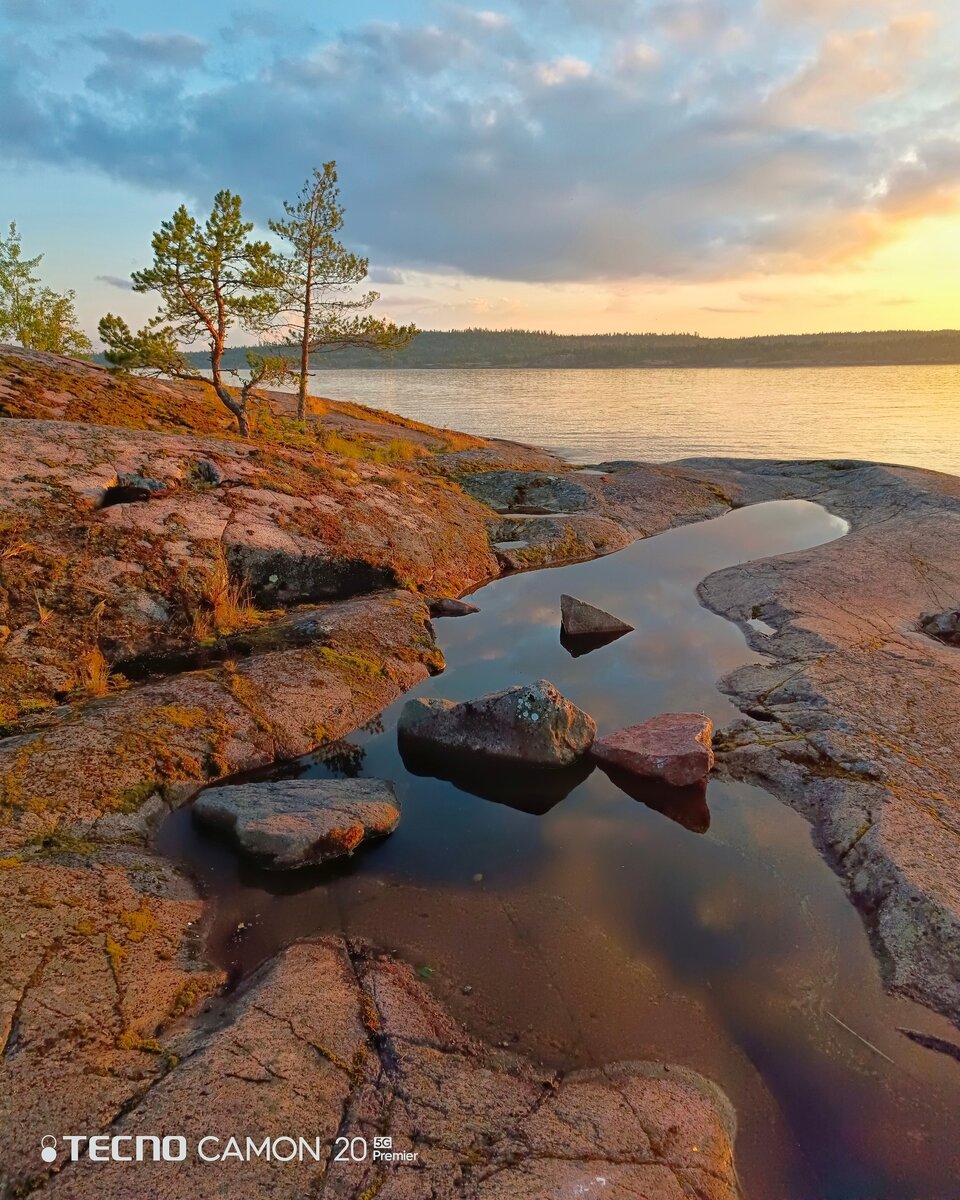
[(211, 277), (31, 313), (517, 349)]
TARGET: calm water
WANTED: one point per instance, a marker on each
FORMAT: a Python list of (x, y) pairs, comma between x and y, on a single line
[(588, 926), (888, 414)]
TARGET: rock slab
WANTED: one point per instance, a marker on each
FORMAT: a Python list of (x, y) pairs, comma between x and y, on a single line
[(580, 619), (674, 747), (530, 724), (300, 822)]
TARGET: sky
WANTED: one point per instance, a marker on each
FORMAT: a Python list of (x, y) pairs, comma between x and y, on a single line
[(727, 167)]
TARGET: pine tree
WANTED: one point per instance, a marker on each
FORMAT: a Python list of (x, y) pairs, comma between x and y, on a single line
[(318, 275), (36, 317), (209, 278)]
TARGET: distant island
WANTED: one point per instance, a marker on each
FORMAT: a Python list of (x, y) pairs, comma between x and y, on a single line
[(517, 348)]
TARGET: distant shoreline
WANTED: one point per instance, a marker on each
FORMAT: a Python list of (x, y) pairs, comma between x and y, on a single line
[(484, 349)]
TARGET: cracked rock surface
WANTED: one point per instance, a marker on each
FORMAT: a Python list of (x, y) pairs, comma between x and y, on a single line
[(855, 720), (334, 1041)]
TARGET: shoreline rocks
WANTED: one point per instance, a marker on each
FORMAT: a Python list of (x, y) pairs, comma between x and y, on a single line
[(673, 747), (295, 823), (448, 607), (529, 724)]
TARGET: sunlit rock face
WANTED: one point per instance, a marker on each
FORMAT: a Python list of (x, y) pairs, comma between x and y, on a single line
[(674, 747)]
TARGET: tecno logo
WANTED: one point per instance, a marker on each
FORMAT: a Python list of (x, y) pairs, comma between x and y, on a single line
[(119, 1148)]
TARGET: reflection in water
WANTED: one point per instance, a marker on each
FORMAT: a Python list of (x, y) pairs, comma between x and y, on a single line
[(685, 805), (600, 930), (579, 644), (526, 789)]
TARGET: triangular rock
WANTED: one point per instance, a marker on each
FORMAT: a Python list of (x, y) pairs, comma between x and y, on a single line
[(580, 619)]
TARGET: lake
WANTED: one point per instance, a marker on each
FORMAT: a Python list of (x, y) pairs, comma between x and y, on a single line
[(583, 924), (888, 414)]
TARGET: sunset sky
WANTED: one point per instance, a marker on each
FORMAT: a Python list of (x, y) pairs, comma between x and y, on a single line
[(724, 166)]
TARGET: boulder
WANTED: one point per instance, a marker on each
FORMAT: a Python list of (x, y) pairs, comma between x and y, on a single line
[(674, 747), (580, 619), (131, 488), (530, 724), (300, 822), (944, 626), (447, 607)]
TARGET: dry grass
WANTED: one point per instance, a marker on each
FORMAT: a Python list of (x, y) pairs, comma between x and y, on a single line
[(396, 450), (224, 604), (43, 613), (93, 673)]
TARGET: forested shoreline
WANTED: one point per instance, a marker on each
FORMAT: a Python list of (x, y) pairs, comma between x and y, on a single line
[(478, 348)]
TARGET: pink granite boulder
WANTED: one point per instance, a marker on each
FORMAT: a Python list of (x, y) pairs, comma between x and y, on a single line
[(674, 747)]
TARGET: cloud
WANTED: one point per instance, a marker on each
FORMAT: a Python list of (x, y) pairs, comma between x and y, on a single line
[(386, 275), (691, 20), (117, 281), (265, 23), (42, 12), (562, 70), (480, 145), (853, 68)]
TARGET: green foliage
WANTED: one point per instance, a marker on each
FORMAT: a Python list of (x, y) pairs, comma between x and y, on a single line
[(505, 348), (149, 349), (321, 314), (209, 277), (35, 316)]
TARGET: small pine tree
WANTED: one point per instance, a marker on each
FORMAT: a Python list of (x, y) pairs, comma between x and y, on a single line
[(209, 278), (36, 317), (318, 272)]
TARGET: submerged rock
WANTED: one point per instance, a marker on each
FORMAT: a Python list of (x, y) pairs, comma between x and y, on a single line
[(674, 747), (447, 607), (299, 822), (530, 724), (944, 626)]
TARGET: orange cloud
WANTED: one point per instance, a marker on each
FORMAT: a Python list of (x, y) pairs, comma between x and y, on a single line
[(851, 69)]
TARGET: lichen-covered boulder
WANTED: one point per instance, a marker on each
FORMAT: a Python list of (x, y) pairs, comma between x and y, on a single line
[(300, 822), (674, 747), (530, 724)]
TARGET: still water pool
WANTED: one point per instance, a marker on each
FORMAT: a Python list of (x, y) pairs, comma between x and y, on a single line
[(590, 927)]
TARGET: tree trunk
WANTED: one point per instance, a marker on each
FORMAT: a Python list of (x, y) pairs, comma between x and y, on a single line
[(305, 345), (237, 407)]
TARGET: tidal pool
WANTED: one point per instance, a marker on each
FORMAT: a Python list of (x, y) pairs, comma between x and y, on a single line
[(585, 926)]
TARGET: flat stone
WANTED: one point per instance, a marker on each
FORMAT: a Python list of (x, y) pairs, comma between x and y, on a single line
[(531, 724), (581, 619), (300, 822), (674, 747)]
